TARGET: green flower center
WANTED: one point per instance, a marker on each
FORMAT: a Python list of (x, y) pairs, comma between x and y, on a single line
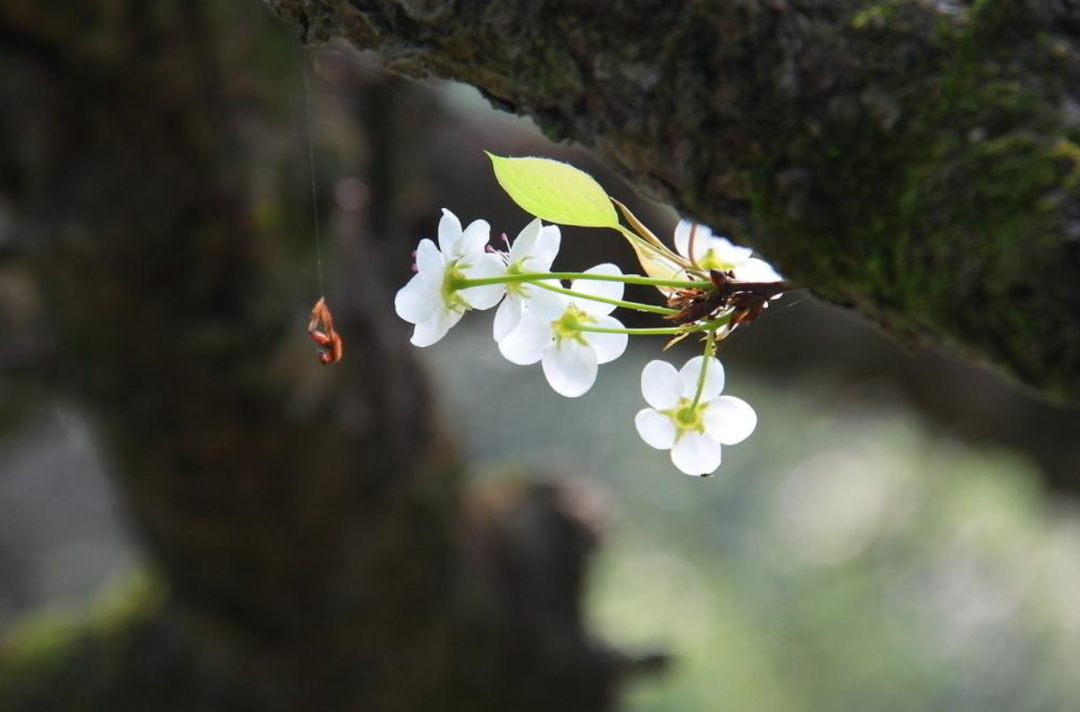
[(687, 419), (516, 288), (451, 279), (712, 261), (568, 326)]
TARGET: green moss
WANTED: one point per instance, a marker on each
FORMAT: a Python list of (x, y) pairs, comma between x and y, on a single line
[(947, 222), (36, 649), (58, 659), (875, 13)]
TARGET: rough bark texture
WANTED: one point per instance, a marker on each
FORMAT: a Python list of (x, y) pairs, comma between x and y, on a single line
[(918, 160), (312, 547)]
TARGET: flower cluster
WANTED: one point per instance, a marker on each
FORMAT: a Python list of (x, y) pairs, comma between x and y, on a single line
[(564, 321)]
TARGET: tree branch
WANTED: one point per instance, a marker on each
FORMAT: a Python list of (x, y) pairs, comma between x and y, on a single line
[(917, 160)]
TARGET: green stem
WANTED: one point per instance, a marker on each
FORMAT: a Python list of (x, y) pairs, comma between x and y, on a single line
[(638, 306), (710, 349), (711, 326), (624, 278)]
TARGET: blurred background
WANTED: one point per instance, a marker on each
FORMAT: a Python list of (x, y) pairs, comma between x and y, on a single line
[(900, 533)]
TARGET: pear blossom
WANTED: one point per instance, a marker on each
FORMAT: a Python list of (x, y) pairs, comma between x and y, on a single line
[(718, 253), (431, 300), (533, 251), (548, 332), (694, 434)]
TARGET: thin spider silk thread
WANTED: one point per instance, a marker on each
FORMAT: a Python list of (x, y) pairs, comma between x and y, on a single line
[(314, 187)]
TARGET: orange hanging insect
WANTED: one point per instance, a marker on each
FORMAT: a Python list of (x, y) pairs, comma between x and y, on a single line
[(321, 330)]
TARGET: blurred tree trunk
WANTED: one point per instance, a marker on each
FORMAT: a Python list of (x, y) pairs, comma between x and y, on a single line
[(311, 546), (917, 160)]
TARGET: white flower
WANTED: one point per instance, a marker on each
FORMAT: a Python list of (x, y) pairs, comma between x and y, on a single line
[(548, 333), (712, 252), (534, 250), (430, 299), (694, 435)]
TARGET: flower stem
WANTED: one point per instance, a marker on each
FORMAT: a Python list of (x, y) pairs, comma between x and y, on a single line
[(638, 306), (624, 278), (710, 326), (710, 349)]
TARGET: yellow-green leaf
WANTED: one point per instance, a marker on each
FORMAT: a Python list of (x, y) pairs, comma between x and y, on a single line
[(656, 265), (555, 191)]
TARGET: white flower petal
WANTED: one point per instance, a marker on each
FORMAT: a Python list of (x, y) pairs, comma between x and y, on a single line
[(507, 317), (682, 238), (729, 420), (546, 250), (755, 270), (449, 233), (661, 385), (695, 454), (525, 243), (416, 301), (570, 368), (714, 380), (608, 290), (545, 304), (486, 265), (431, 330), (526, 344), (702, 236), (608, 347), (430, 264), (473, 240), (656, 429)]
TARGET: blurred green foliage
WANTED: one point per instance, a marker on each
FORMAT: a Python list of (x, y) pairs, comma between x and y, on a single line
[(845, 557)]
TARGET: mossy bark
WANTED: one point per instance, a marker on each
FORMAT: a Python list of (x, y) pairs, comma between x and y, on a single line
[(917, 160), (309, 536)]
